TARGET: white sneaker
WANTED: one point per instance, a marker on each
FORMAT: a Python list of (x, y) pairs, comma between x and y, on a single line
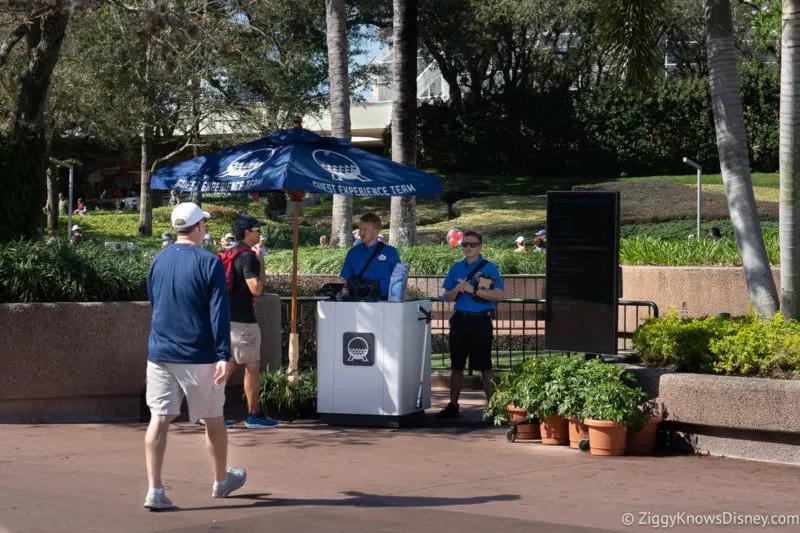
[(157, 501), (235, 481)]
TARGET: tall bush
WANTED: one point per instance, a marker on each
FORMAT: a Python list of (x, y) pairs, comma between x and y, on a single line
[(22, 184)]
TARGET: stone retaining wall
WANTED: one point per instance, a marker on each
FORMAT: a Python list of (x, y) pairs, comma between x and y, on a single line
[(86, 361), (754, 418)]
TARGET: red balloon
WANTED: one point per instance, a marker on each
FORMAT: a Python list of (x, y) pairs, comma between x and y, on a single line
[(453, 241)]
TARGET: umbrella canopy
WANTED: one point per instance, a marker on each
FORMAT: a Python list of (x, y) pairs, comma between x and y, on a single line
[(296, 159)]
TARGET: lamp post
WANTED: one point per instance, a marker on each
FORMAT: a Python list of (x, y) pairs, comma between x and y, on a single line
[(699, 185)]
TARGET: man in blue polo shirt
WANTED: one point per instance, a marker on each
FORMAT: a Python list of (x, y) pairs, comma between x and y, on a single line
[(475, 285), (382, 265)]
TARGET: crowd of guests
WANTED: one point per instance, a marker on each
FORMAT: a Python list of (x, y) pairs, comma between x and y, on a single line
[(539, 242)]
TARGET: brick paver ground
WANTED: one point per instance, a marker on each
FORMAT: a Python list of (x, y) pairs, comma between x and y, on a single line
[(461, 476)]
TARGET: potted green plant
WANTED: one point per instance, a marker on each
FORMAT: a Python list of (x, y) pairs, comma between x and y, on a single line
[(283, 400), (611, 404), (569, 378), (642, 432), (504, 407), (557, 380)]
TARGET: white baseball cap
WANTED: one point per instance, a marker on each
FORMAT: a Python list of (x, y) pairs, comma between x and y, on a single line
[(76, 227), (520, 239), (229, 236), (187, 214)]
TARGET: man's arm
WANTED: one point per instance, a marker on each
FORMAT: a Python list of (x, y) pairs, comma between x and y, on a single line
[(452, 287), (220, 307), (253, 269)]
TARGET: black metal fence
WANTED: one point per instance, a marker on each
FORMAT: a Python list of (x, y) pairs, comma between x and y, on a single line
[(518, 329)]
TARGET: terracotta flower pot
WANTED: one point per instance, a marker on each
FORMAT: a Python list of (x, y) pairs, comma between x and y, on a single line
[(643, 442), (554, 430), (577, 432), (606, 438), (524, 431)]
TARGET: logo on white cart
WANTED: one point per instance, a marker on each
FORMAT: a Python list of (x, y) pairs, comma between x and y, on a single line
[(359, 349)]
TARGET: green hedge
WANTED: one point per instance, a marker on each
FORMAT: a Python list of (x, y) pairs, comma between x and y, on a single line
[(22, 174), (37, 272), (744, 346), (605, 130)]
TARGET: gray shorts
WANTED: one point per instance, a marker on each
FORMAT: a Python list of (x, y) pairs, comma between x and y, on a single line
[(245, 342), (168, 383)]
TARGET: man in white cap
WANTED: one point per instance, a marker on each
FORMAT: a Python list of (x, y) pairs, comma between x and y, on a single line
[(189, 350), (519, 244)]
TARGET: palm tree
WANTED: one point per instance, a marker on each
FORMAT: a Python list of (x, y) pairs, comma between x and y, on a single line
[(403, 228), (734, 161), (336, 22), (633, 27), (790, 159)]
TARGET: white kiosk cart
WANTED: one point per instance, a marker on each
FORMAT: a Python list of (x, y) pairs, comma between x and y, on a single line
[(373, 363)]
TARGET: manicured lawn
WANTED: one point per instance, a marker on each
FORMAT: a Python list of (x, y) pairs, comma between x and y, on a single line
[(760, 179)]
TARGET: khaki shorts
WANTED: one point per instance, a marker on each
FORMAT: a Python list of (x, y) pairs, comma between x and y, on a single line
[(245, 342), (167, 383)]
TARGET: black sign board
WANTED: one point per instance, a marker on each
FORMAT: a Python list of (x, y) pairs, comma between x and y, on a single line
[(358, 349), (582, 280)]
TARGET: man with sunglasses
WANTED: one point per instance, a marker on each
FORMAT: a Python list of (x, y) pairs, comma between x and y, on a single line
[(247, 282), (471, 326)]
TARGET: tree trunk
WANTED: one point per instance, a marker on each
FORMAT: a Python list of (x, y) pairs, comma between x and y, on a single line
[(197, 196), (790, 159), (734, 161), (403, 226), (44, 40), (52, 201), (145, 200), (336, 21)]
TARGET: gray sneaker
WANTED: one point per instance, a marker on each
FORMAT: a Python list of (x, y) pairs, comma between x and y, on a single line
[(235, 481), (157, 501)]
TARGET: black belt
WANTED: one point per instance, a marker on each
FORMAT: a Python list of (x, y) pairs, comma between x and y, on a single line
[(486, 313)]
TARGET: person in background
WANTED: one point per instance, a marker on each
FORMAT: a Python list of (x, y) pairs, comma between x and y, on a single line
[(228, 240), (297, 121), (167, 239), (77, 235), (538, 244), (62, 205), (543, 234), (356, 240), (520, 245), (189, 350), (173, 198), (81, 210), (323, 240), (715, 234), (261, 247), (472, 326), (120, 206)]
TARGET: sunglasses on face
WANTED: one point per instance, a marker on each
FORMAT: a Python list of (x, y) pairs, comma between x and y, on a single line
[(470, 244)]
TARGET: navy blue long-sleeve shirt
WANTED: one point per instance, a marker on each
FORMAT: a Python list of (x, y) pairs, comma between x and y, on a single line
[(188, 293)]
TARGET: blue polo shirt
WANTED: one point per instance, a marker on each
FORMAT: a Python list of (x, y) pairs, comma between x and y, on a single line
[(380, 269), (461, 270)]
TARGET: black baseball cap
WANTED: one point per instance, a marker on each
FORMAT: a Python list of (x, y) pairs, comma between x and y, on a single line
[(244, 222)]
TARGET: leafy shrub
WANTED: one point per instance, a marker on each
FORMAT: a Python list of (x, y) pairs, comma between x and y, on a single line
[(278, 396), (681, 344), (22, 174), (37, 272), (765, 348)]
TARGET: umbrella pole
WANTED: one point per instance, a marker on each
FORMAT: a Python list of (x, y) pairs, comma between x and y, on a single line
[(294, 339)]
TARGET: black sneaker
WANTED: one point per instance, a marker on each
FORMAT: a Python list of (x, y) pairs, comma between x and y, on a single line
[(451, 411)]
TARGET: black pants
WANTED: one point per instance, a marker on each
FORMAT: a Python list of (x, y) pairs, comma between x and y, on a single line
[(471, 336)]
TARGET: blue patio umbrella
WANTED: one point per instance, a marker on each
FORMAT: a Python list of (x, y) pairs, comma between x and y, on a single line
[(297, 161)]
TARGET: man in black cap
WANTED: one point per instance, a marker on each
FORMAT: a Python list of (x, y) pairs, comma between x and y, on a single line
[(246, 282)]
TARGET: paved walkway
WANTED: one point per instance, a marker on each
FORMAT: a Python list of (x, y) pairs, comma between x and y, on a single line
[(459, 477)]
